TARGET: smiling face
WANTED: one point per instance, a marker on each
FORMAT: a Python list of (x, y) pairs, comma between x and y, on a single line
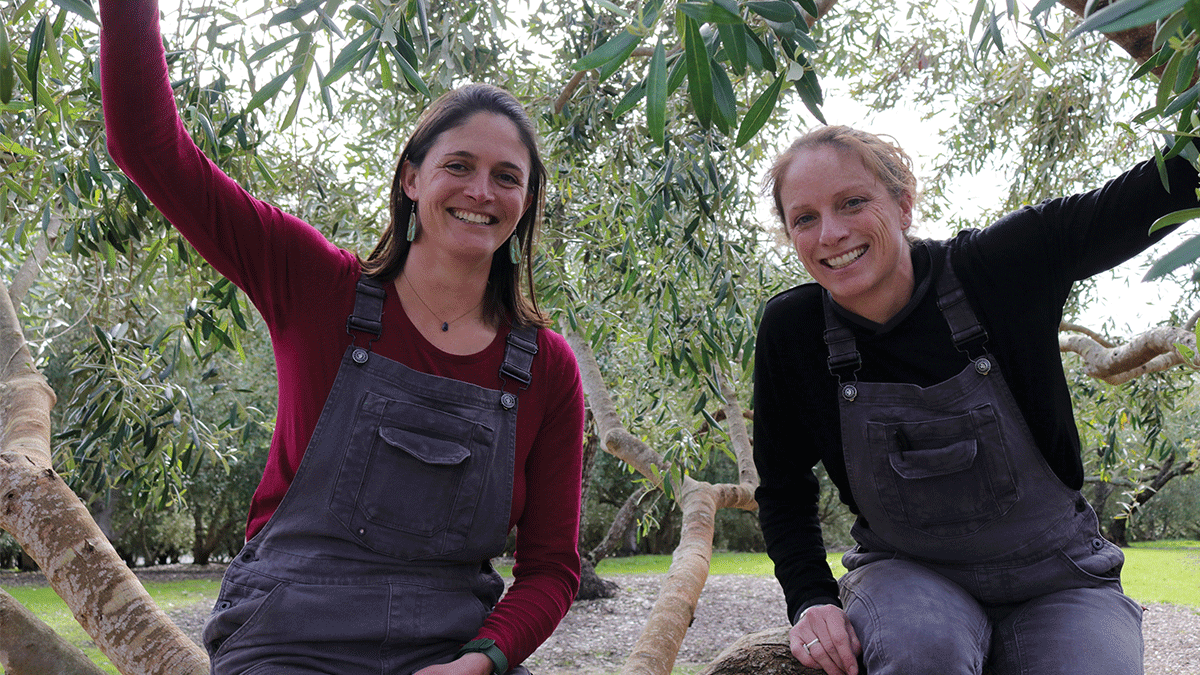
[(848, 230), (471, 188)]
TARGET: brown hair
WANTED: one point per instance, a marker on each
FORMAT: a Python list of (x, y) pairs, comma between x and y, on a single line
[(503, 299), (881, 155)]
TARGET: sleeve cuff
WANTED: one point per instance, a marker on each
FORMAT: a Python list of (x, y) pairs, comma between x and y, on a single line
[(813, 603)]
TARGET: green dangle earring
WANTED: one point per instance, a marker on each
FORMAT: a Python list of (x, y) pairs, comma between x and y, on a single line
[(412, 223), (514, 249)]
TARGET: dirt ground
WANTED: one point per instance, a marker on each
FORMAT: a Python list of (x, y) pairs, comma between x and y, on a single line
[(596, 635)]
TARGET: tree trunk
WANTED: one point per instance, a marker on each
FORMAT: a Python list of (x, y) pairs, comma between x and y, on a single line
[(56, 530), (591, 586), (625, 518), (658, 645), (30, 647), (763, 653)]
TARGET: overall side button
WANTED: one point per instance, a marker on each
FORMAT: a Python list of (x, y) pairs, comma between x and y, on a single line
[(508, 401)]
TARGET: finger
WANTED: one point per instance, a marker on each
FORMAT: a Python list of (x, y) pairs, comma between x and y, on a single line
[(835, 654), (797, 642)]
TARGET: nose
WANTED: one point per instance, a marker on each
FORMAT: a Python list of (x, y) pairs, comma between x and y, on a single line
[(833, 230), (479, 187)]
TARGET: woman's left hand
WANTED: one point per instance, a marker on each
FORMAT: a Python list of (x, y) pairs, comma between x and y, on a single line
[(472, 663)]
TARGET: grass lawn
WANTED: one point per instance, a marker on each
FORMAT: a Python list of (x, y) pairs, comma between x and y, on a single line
[(1163, 571), (1160, 571), (46, 604)]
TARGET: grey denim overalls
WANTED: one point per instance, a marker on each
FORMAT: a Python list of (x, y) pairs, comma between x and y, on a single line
[(949, 477), (376, 560)]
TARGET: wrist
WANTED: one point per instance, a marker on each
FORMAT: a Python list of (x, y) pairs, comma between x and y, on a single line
[(487, 649)]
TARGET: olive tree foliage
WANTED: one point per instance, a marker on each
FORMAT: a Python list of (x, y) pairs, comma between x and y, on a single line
[(656, 121)]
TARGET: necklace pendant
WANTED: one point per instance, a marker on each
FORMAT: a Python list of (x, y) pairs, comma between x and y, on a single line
[(445, 327)]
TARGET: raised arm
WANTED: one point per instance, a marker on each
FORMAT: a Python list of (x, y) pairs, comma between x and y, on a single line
[(260, 248)]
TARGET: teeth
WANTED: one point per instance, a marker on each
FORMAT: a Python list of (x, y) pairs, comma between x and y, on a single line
[(470, 217), (846, 258)]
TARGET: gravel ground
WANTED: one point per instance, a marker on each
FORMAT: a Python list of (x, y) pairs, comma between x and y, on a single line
[(596, 635)]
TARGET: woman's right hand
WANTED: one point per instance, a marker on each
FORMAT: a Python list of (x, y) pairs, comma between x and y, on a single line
[(831, 643)]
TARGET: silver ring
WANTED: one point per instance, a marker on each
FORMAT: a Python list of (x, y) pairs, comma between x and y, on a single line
[(809, 644)]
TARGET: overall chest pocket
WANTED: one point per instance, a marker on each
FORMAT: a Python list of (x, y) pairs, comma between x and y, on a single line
[(411, 479), (947, 476)]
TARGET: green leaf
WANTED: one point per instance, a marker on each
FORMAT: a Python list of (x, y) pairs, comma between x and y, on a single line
[(1038, 60), (675, 78), (1185, 253), (1182, 101), (6, 67), (631, 98), (423, 18), (723, 97), (733, 38), (263, 52), (301, 81), (810, 91), (699, 74), (759, 112), (1159, 58), (1166, 82), (759, 55), (1127, 14), (1042, 7), (349, 57), (410, 73), (294, 13), (34, 58), (81, 7), (1170, 28), (656, 95), (617, 49), (364, 14), (271, 89), (709, 12), (1174, 219), (783, 12)]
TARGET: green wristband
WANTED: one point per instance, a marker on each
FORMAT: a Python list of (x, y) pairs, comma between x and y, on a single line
[(488, 648)]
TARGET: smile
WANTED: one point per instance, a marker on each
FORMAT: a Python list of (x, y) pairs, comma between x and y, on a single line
[(846, 258), (469, 217)]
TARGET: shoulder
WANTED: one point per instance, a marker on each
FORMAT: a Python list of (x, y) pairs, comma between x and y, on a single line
[(556, 361), (799, 300)]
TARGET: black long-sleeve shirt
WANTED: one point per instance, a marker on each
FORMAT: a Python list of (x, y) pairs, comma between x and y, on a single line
[(1017, 275)]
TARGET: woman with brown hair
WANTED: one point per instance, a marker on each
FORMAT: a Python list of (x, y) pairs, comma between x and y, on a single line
[(925, 376), (425, 409)]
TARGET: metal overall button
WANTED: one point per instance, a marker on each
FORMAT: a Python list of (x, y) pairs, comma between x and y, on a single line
[(359, 355), (1097, 544), (248, 556), (508, 401), (849, 392), (983, 365)]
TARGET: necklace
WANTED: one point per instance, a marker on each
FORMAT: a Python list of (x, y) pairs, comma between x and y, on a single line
[(445, 324)]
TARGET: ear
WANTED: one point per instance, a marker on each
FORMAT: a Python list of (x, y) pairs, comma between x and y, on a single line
[(408, 179), (906, 207)]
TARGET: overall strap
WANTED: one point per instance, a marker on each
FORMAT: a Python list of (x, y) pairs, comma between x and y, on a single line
[(368, 308), (965, 327), (518, 355), (844, 358)]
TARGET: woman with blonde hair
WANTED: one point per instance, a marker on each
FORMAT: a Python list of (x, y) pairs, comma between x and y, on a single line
[(925, 376)]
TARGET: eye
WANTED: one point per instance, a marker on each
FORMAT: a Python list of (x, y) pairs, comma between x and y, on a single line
[(855, 203), (509, 179), (455, 166), (803, 220)]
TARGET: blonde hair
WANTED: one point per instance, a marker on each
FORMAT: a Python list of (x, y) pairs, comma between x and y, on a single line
[(880, 154)]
